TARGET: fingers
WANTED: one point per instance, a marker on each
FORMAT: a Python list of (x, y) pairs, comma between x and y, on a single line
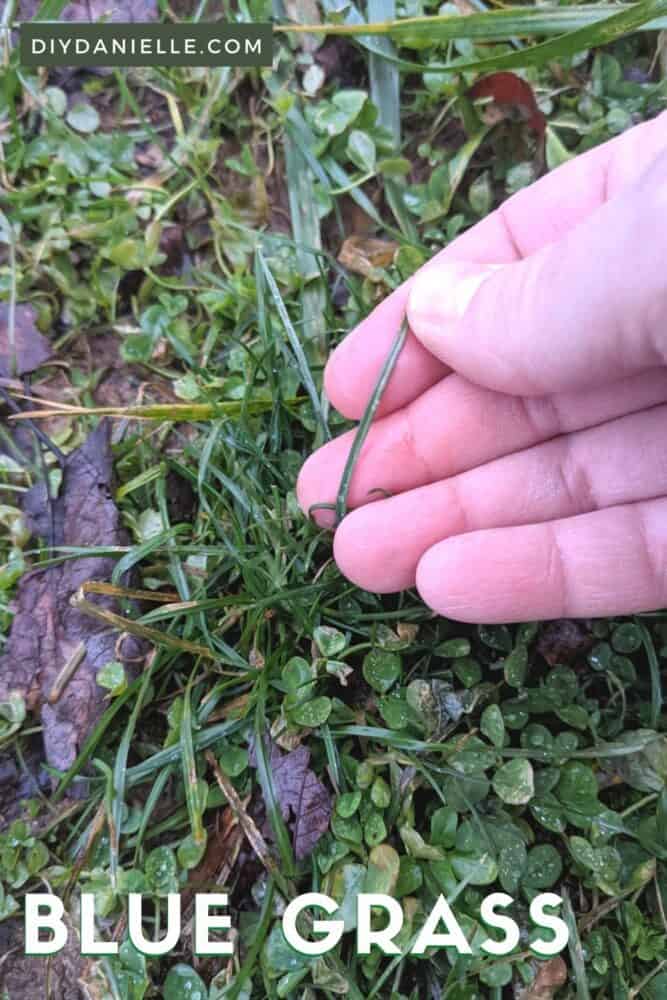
[(531, 219), (608, 562), (379, 546), (456, 425), (587, 309), (353, 368), (544, 212)]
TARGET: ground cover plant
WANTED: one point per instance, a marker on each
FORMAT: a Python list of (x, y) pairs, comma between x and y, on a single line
[(191, 696)]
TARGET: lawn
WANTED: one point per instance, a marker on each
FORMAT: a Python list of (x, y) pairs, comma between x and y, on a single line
[(192, 697)]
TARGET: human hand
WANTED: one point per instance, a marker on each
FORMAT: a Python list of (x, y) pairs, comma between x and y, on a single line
[(523, 433)]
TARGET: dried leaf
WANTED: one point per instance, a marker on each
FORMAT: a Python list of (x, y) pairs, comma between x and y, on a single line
[(551, 975), (509, 94), (28, 349), (304, 801), (96, 10), (222, 850), (19, 783), (151, 156), (253, 835), (23, 977), (47, 633), (366, 254), (562, 640)]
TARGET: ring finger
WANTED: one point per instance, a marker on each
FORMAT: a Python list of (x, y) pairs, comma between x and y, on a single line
[(379, 546)]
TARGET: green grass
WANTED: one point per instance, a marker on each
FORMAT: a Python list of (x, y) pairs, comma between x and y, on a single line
[(417, 715)]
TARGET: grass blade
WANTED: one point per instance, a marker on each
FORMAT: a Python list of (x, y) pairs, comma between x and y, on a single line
[(273, 812), (306, 232), (168, 412), (385, 94), (172, 755), (488, 26), (367, 419), (295, 344), (654, 671), (577, 956), (154, 797), (190, 776), (153, 635), (50, 10), (120, 770), (504, 25), (93, 740), (384, 76)]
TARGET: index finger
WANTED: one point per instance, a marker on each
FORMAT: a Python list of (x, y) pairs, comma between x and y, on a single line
[(529, 220)]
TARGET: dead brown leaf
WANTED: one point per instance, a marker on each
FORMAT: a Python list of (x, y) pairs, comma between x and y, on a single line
[(23, 977), (562, 640), (95, 10), (222, 851), (246, 822), (19, 782), (304, 801), (29, 348), (48, 633), (366, 254), (510, 95), (551, 975), (151, 156)]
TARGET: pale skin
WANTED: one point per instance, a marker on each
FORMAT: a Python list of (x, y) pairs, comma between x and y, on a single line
[(523, 434)]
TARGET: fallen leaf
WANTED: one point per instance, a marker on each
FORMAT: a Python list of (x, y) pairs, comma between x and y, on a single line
[(172, 244), (407, 632), (304, 801), (509, 93), (29, 348), (562, 640), (222, 850), (331, 57), (47, 633), (95, 10), (116, 382), (18, 783), (366, 254), (151, 155), (253, 834), (23, 977), (301, 792), (551, 975)]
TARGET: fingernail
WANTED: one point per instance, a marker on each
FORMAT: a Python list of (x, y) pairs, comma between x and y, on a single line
[(440, 295), (311, 491)]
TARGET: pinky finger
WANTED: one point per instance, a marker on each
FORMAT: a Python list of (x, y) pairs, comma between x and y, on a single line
[(608, 562)]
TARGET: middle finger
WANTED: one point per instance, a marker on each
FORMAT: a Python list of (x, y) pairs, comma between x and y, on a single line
[(379, 546), (456, 425)]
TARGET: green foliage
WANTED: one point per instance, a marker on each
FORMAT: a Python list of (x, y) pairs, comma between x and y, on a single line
[(460, 760)]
